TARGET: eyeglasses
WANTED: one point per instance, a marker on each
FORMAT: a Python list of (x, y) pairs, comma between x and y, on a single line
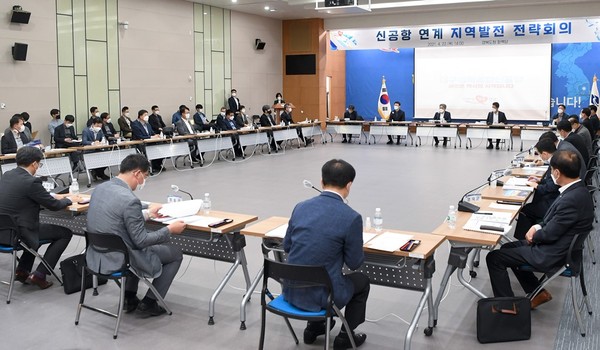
[(40, 165)]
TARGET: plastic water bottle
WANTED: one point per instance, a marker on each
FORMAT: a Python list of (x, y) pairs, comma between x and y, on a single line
[(378, 220), (206, 205), (451, 219), (162, 136), (368, 224), (74, 188)]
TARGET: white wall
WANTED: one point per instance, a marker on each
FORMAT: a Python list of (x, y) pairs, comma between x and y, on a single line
[(32, 85), (257, 74)]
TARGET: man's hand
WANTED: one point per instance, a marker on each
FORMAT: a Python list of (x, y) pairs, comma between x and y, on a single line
[(68, 139), (529, 235), (154, 136), (74, 199), (177, 227), (532, 184), (153, 210), (533, 179)]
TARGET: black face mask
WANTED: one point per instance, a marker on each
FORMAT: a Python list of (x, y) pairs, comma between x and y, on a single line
[(58, 116)]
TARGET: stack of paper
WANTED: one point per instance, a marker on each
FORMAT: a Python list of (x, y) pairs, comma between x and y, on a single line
[(518, 188), (367, 236), (516, 181), (388, 241), (278, 232), (181, 209), (496, 219)]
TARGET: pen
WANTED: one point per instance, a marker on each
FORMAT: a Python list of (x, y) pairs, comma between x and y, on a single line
[(479, 213)]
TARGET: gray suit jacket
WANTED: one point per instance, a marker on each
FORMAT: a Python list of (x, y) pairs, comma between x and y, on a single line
[(114, 209)]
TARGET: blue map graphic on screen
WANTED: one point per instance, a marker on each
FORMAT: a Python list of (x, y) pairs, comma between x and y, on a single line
[(573, 68)]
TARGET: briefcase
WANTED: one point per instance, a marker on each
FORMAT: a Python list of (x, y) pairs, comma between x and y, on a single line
[(70, 269), (503, 319)]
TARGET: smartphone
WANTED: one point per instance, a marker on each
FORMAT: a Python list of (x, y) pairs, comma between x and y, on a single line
[(410, 245), (84, 201), (220, 223)]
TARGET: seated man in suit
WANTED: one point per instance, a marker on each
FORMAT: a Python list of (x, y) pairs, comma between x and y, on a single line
[(177, 115), (125, 123), (565, 130), (565, 146), (444, 117), (229, 124), (561, 115), (94, 136), (108, 129), (55, 121), (397, 115), (545, 192), (94, 113), (184, 127), (286, 118), (582, 131), (65, 137), (222, 119), (200, 121), (22, 197), (15, 136), (266, 120), (141, 130), (545, 246), (349, 114), (325, 231), (114, 209), (493, 118), (241, 119), (156, 121)]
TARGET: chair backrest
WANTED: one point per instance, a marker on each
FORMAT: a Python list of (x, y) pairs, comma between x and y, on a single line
[(297, 276), (108, 243), (9, 231), (575, 253)]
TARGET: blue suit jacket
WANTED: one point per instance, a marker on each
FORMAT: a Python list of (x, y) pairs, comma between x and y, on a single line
[(87, 136), (324, 231), (139, 131)]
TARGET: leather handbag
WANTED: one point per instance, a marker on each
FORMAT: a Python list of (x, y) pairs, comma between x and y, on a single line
[(70, 269), (503, 319)]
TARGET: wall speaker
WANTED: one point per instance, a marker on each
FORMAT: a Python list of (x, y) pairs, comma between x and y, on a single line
[(19, 52), (19, 16), (259, 44)]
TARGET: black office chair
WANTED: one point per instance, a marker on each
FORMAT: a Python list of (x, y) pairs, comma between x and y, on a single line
[(11, 243), (572, 269), (297, 276), (111, 243)]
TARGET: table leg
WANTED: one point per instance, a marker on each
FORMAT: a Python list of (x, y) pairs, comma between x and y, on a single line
[(213, 298), (246, 298), (467, 285), (449, 271), (413, 324)]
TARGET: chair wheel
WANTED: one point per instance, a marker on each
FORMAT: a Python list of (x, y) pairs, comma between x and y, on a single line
[(95, 293), (473, 274), (475, 263), (76, 323), (8, 301), (243, 326), (114, 337), (434, 323), (428, 331), (211, 321)]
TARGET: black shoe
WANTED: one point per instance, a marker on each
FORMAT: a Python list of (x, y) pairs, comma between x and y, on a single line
[(104, 177), (490, 146), (397, 142), (315, 329), (342, 341), (497, 147), (344, 141), (131, 304), (390, 142), (151, 308), (445, 144)]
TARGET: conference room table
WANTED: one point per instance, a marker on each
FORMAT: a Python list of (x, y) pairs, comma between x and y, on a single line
[(351, 127), (105, 155), (426, 129), (383, 128), (398, 269), (462, 242), (483, 132), (532, 133), (224, 243), (56, 162)]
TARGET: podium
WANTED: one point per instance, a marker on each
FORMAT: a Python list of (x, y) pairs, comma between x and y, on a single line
[(278, 108)]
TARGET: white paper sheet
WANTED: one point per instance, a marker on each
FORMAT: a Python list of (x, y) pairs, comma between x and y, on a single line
[(181, 209), (516, 181), (505, 206), (278, 232), (367, 236), (388, 241), (204, 221), (518, 188), (497, 219)]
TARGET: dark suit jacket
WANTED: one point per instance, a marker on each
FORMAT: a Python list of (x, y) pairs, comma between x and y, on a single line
[(199, 123), (22, 196), (221, 123), (266, 120), (156, 123), (324, 231), (87, 136), (60, 134), (139, 131), (501, 118), (447, 116), (182, 128), (567, 146), (8, 143), (109, 131), (240, 120), (287, 118), (559, 117), (397, 116), (595, 124), (234, 103), (588, 124), (124, 126), (351, 116), (544, 195), (571, 213), (578, 142)]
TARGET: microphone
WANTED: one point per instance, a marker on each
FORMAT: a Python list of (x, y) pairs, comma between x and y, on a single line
[(308, 184), (472, 208), (176, 188), (525, 151)]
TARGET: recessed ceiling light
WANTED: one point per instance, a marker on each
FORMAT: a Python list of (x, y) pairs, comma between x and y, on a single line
[(272, 10), (234, 1), (267, 8), (205, 13)]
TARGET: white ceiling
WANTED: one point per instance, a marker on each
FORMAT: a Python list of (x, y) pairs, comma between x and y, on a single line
[(298, 9)]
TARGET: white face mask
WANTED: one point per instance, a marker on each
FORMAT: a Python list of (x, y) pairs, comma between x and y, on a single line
[(22, 128), (96, 129), (68, 125), (561, 111), (396, 108), (233, 94), (553, 179), (108, 120), (97, 114), (146, 118), (243, 111), (140, 187), (126, 114), (441, 111), (222, 113), (199, 110), (495, 110), (187, 116)]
